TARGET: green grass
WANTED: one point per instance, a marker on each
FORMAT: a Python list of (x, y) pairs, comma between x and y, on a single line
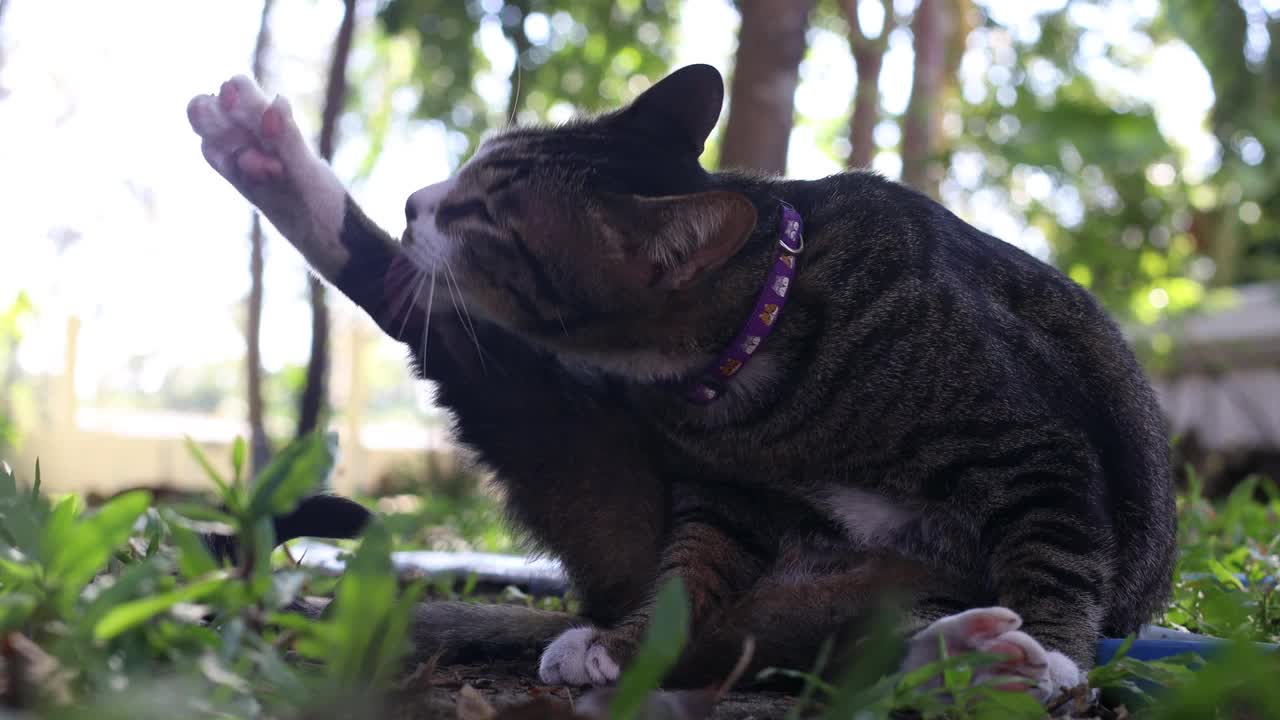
[(119, 611), (1229, 563)]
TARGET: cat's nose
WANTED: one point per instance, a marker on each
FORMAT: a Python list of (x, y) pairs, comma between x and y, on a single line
[(425, 201)]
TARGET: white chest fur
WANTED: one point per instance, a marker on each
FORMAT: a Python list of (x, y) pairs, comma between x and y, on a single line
[(869, 518)]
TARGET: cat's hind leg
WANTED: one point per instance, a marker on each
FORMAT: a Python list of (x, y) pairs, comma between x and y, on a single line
[(709, 547)]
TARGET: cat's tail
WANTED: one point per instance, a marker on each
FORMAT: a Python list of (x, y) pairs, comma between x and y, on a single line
[(450, 632), (461, 631), (323, 516)]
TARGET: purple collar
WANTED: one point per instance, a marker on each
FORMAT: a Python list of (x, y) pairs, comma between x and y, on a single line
[(713, 381)]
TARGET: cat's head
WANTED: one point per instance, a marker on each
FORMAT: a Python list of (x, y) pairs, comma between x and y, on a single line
[(575, 235)]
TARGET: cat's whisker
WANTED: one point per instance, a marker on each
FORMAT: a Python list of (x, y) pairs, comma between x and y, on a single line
[(563, 327), (402, 289), (464, 315), (453, 281), (475, 340), (515, 94), (426, 324), (412, 304)]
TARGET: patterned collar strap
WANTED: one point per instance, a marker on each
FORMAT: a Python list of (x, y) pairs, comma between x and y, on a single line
[(714, 381)]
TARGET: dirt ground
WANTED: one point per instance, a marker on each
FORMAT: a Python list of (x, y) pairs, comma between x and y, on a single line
[(435, 694)]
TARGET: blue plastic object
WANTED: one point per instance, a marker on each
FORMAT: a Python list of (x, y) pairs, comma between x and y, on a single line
[(1158, 643), (1156, 649)]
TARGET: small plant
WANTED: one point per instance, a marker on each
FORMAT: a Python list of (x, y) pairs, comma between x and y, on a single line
[(124, 609), (123, 612)]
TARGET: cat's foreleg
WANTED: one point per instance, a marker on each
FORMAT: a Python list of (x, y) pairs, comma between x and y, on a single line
[(256, 146)]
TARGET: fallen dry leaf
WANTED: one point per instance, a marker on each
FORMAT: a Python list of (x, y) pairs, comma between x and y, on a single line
[(473, 706)]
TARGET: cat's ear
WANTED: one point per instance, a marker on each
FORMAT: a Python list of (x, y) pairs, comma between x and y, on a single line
[(671, 241), (681, 108)]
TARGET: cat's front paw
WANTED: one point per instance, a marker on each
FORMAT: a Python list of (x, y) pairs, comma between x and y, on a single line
[(995, 630), (256, 146), (582, 656), (244, 136)]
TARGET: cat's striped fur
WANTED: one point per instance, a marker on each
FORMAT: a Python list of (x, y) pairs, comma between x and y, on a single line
[(937, 412)]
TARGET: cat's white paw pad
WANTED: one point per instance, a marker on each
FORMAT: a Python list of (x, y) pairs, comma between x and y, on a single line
[(995, 630), (575, 658), (245, 134)]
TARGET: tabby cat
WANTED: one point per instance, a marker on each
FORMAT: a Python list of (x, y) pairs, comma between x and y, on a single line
[(907, 404)]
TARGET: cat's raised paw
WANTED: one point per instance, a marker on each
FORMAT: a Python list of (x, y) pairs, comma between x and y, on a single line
[(247, 137), (256, 146), (578, 657), (995, 630)]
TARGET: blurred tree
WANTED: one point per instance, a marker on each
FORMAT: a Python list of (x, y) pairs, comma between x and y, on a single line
[(11, 325), (930, 27), (259, 443), (771, 44), (868, 58), (566, 55), (1083, 166), (1237, 220), (315, 392)]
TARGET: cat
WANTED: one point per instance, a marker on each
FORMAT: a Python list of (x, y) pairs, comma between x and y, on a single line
[(923, 408)]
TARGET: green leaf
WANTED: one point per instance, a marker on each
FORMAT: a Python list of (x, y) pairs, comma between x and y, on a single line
[(237, 459), (1113, 672), (194, 558), (965, 662), (954, 678), (263, 542), (663, 641), (136, 579), (298, 470), (366, 633), (17, 572), (805, 676), (469, 585), (276, 671), (22, 515), (15, 608), (1008, 705), (205, 514), (813, 680), (1225, 576), (78, 550), (871, 681), (228, 496), (130, 615)]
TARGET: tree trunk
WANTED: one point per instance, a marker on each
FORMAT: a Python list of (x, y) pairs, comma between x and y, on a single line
[(866, 109), (920, 126), (868, 58), (315, 393), (259, 443), (771, 44)]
